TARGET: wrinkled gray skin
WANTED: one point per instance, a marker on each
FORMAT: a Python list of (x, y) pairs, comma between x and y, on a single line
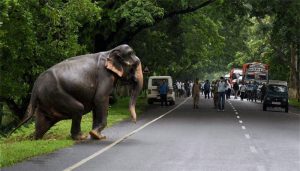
[(81, 84)]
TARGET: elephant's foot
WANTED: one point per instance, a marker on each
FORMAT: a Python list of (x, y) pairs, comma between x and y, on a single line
[(79, 136), (95, 135)]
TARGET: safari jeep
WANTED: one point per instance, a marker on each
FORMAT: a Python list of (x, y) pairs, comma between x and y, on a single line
[(153, 89), (276, 95)]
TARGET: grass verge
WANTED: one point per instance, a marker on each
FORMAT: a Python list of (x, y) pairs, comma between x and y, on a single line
[(294, 102), (19, 146)]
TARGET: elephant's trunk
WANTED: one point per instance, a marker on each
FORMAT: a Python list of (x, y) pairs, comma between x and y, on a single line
[(136, 88)]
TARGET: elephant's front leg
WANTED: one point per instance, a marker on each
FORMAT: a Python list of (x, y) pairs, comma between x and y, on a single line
[(100, 113), (76, 133)]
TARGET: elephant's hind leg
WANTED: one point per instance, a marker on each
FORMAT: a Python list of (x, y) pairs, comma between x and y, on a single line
[(42, 125)]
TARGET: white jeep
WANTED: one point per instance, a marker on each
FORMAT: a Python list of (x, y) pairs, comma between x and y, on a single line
[(153, 89)]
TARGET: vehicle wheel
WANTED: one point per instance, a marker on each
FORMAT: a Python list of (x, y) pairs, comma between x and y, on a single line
[(172, 103), (264, 107), (286, 109), (150, 101)]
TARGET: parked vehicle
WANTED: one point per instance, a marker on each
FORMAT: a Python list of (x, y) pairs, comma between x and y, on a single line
[(153, 89), (276, 95)]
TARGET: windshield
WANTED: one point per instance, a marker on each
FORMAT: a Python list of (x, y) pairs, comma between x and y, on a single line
[(157, 82), (262, 77), (250, 77), (277, 88)]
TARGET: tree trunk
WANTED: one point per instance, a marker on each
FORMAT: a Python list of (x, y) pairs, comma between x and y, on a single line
[(294, 73), (1, 113), (298, 70)]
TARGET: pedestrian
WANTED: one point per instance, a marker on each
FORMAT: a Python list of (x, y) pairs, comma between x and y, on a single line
[(196, 93), (228, 90), (243, 91), (163, 90), (206, 89), (186, 88), (221, 94), (236, 89), (215, 92), (263, 90)]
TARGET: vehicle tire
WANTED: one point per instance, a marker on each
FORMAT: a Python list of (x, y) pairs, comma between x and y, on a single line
[(172, 103), (150, 101), (286, 109), (264, 107)]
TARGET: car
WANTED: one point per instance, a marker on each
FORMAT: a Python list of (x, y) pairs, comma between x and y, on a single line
[(276, 95), (153, 92)]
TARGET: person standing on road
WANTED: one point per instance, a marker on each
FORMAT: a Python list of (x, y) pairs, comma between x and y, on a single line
[(228, 90), (163, 91), (243, 91), (206, 89), (221, 94), (263, 90), (236, 89), (215, 91), (196, 93)]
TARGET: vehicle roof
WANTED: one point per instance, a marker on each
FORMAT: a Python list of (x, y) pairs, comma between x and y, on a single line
[(277, 82), (160, 77)]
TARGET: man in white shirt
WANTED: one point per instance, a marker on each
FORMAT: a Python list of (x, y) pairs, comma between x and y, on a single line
[(221, 94), (243, 91)]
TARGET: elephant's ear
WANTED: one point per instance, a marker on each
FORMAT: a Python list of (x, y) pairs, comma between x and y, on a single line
[(113, 63)]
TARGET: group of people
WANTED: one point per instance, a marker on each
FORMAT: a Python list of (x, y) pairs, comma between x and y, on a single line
[(217, 89)]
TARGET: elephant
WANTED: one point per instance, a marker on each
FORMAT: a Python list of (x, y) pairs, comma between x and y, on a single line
[(81, 84)]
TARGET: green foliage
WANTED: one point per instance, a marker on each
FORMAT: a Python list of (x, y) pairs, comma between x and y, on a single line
[(18, 151), (36, 35), (294, 102), (139, 12)]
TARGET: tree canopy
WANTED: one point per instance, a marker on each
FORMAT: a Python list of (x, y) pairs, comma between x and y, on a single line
[(185, 39)]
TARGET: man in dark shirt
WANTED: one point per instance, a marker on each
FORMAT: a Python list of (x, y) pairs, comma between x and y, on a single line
[(163, 91)]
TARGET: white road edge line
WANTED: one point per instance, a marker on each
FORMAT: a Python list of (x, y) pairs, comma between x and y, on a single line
[(119, 140)]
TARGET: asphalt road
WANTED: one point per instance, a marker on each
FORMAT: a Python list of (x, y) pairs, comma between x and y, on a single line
[(242, 138)]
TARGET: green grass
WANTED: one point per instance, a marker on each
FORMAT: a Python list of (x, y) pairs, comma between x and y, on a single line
[(20, 145), (294, 102)]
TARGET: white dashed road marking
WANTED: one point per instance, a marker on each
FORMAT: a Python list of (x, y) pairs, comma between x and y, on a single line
[(253, 149)]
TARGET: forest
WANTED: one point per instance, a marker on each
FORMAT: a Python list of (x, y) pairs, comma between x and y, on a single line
[(182, 38)]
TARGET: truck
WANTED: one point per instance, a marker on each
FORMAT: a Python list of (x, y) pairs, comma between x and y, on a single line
[(255, 72), (236, 75)]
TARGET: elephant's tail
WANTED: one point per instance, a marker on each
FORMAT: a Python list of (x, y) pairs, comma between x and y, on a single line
[(29, 113)]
